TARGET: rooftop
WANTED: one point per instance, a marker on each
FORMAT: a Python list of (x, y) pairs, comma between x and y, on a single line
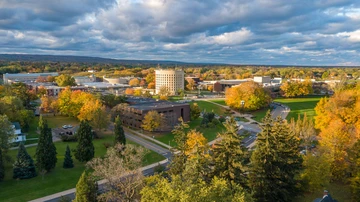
[(156, 105)]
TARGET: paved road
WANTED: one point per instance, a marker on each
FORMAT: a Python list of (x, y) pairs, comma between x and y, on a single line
[(149, 145)]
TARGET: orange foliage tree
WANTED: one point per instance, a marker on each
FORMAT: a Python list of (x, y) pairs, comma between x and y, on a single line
[(253, 94)]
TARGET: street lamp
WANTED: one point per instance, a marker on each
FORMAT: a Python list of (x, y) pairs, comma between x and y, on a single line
[(242, 105), (200, 88)]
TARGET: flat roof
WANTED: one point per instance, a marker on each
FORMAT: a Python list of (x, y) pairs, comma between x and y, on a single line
[(32, 74), (103, 85), (156, 105)]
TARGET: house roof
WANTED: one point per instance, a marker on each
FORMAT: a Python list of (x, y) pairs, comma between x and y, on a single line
[(17, 125)]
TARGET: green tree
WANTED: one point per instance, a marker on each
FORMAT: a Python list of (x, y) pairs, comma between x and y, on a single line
[(6, 133), (152, 121), (45, 150), (24, 167), (194, 111), (2, 167), (86, 189), (230, 157), (179, 159), (119, 132), (68, 162), (65, 80), (275, 163), (85, 149)]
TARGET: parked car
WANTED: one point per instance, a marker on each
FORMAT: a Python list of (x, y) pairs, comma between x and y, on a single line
[(64, 126), (69, 126)]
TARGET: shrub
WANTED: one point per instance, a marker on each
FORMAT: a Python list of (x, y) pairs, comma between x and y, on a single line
[(69, 138)]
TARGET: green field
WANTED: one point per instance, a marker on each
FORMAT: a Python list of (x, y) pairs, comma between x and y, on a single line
[(300, 106), (58, 179), (209, 133), (221, 102), (210, 107)]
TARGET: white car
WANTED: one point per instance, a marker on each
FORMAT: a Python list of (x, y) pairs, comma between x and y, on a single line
[(64, 126)]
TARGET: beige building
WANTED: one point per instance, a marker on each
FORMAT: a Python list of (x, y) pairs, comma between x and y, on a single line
[(172, 79)]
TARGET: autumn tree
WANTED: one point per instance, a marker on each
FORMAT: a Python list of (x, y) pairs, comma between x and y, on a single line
[(304, 129), (112, 100), (65, 80), (129, 91), (41, 79), (24, 167), (230, 156), (253, 95), (150, 78), (118, 161), (85, 149), (151, 85), (152, 121), (86, 188), (210, 88), (296, 88), (142, 83), (190, 84), (134, 82), (194, 111), (137, 92), (45, 150), (119, 132), (164, 91), (95, 113), (177, 189), (275, 163), (47, 103), (6, 134)]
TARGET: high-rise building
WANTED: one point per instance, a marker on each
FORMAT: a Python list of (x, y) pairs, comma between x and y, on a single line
[(172, 79)]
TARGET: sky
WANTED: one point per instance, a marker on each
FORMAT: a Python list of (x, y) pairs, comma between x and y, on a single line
[(268, 32)]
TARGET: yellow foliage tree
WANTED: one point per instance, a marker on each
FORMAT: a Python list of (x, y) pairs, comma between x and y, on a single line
[(253, 94), (196, 144), (94, 112), (152, 121), (137, 92), (134, 82), (129, 91)]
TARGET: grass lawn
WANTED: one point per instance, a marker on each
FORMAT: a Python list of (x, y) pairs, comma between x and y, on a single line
[(300, 106), (259, 114), (209, 133), (58, 179), (221, 102), (210, 107), (338, 191)]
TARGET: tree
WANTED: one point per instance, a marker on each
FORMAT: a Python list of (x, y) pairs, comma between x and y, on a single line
[(230, 156), (176, 189), (152, 121), (164, 91), (253, 94), (304, 129), (190, 84), (85, 149), (25, 117), (24, 167), (86, 189), (129, 91), (65, 80), (137, 92), (95, 113), (45, 150), (68, 162), (142, 83), (275, 163), (194, 111), (177, 165), (210, 88), (6, 133), (134, 82), (119, 161), (119, 132), (46, 103), (2, 167), (151, 85), (150, 78), (112, 100), (296, 88)]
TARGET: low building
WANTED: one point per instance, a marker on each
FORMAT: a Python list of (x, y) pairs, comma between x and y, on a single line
[(221, 85), (29, 77), (118, 80), (262, 79), (133, 114), (18, 135), (79, 80)]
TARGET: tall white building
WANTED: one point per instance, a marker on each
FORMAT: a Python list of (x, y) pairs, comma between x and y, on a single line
[(172, 79)]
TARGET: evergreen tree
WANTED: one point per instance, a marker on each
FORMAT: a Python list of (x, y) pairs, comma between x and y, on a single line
[(24, 167), (2, 168), (119, 132), (276, 162), (46, 150), (86, 189), (68, 162), (230, 157), (179, 160), (85, 149)]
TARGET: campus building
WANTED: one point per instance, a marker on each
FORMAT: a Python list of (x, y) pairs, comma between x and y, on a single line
[(172, 79), (133, 114), (29, 77)]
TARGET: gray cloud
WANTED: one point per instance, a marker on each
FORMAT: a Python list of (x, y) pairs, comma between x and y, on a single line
[(231, 31)]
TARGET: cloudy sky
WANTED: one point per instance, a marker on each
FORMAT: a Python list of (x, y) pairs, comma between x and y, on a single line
[(284, 32)]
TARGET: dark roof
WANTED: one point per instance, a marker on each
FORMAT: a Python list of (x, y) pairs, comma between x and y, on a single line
[(17, 125), (157, 105)]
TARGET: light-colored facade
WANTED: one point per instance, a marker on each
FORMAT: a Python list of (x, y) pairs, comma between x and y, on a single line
[(30, 77), (79, 80), (172, 79), (18, 135), (262, 79)]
